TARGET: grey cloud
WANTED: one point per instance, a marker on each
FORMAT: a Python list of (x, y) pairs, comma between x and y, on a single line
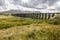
[(32, 3), (1, 2), (52, 2)]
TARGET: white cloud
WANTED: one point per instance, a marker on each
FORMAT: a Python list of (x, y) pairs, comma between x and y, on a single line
[(25, 1)]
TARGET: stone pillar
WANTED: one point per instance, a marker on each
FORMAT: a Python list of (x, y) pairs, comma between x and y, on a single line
[(42, 16), (45, 16), (48, 15), (53, 14)]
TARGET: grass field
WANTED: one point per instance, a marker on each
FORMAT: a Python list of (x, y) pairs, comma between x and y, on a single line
[(17, 28)]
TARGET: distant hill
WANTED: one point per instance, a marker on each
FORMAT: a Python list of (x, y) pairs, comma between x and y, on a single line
[(19, 11)]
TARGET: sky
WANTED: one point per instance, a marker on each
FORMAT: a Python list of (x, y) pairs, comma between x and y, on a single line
[(31, 5)]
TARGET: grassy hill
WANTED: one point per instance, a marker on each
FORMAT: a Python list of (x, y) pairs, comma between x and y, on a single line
[(17, 28)]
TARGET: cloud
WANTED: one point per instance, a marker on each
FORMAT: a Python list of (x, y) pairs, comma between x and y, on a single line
[(31, 5), (25, 1)]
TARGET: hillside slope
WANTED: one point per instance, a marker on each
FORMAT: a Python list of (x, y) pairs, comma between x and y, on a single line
[(16, 28)]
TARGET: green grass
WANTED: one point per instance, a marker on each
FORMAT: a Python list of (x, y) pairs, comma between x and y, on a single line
[(11, 21), (54, 22), (44, 34), (17, 28)]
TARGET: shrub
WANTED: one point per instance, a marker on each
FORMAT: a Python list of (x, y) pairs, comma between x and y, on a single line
[(55, 22)]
